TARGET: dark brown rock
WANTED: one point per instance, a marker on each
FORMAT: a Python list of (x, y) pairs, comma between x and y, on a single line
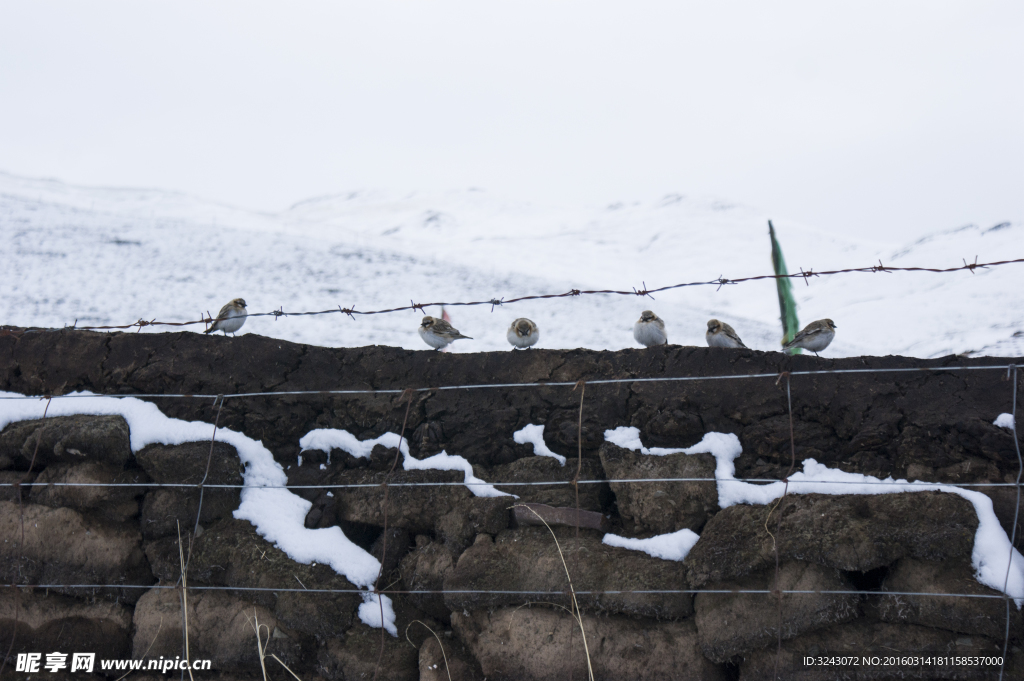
[(231, 553), (164, 510), (527, 644), (9, 485), (471, 517), (546, 469), (416, 509), (67, 440), (447, 661), (670, 421), (163, 557), (355, 656), (55, 487), (661, 507), (943, 445), (221, 628), (61, 546), (390, 547), (425, 569), (848, 532), (982, 616), (527, 559), (48, 622), (186, 463), (770, 439), (730, 625)]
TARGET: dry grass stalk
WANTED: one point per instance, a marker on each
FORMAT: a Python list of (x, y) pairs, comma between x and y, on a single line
[(443, 655), (259, 641), (262, 649), (285, 666), (184, 596), (577, 615)]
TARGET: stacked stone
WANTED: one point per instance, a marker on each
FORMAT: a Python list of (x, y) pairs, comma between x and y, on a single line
[(924, 426)]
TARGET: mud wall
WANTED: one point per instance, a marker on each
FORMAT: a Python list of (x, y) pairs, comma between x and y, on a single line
[(924, 425)]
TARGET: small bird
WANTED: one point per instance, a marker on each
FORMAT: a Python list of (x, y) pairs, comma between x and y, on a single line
[(649, 330), (721, 335), (814, 337), (438, 333), (523, 333), (230, 318)]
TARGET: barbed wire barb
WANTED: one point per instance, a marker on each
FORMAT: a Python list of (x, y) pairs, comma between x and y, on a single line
[(808, 273), (643, 292)]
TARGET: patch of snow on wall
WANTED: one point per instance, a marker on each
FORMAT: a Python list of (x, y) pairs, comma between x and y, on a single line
[(325, 439), (1005, 421), (629, 438), (370, 611), (534, 434), (672, 546)]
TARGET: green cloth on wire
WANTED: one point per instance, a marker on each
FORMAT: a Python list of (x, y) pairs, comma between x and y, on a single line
[(787, 306)]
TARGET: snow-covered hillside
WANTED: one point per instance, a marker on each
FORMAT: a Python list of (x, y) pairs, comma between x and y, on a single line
[(112, 256)]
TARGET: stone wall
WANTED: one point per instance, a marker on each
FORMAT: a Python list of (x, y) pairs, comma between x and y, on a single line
[(926, 425)]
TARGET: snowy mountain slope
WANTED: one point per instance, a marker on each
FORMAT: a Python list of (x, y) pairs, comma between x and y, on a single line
[(116, 255)]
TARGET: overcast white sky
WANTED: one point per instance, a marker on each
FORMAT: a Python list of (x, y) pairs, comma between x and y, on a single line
[(883, 119)]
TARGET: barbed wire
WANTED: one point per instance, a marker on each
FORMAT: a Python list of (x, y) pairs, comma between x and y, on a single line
[(721, 281), (532, 384)]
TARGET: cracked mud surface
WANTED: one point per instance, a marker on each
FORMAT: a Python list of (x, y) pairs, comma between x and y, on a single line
[(932, 424)]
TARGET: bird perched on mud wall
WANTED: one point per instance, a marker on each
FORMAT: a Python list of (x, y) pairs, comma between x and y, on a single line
[(814, 337), (438, 333), (721, 335), (230, 318), (649, 330), (523, 333)]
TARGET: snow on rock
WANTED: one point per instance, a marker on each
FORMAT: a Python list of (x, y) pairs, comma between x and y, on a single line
[(534, 435), (992, 549), (370, 612), (672, 546), (1005, 421), (629, 438), (277, 513), (325, 439)]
